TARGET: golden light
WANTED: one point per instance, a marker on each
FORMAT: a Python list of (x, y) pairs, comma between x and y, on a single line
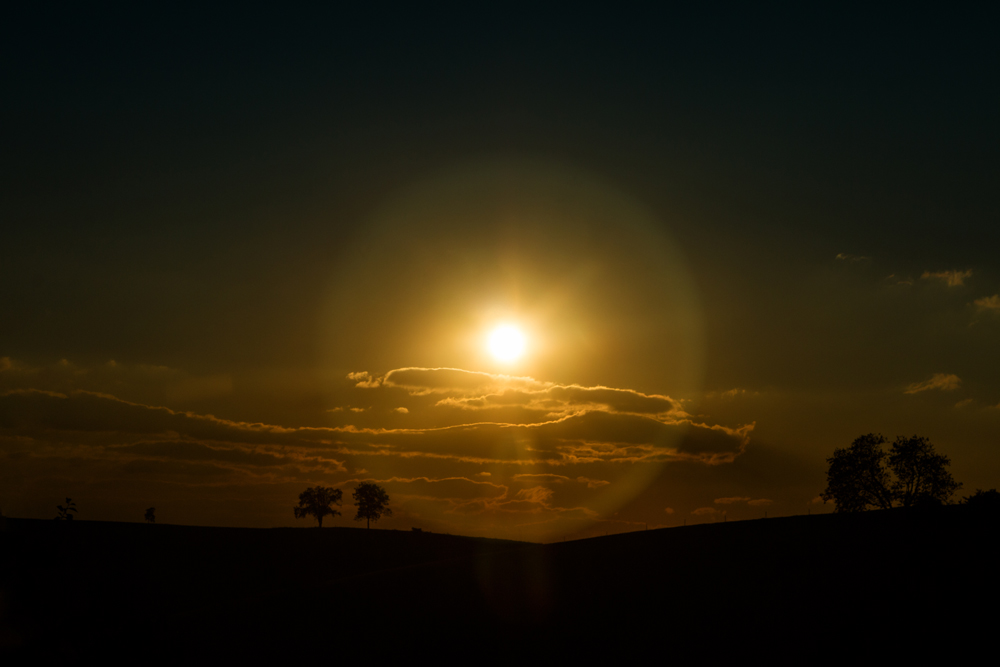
[(506, 343), (521, 274)]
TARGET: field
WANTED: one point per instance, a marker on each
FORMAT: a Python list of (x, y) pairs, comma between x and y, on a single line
[(892, 584)]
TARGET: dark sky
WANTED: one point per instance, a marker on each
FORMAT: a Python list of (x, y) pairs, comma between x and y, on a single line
[(763, 233)]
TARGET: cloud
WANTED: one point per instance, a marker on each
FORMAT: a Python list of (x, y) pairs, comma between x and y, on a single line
[(540, 477), (950, 278), (450, 380), (536, 494), (471, 412), (668, 510), (988, 304), (760, 502), (942, 381), (558, 454), (706, 511), (844, 257), (730, 501), (362, 379), (473, 390), (193, 451), (92, 412), (587, 435), (401, 411)]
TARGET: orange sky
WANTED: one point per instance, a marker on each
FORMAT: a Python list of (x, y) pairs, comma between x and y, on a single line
[(237, 267)]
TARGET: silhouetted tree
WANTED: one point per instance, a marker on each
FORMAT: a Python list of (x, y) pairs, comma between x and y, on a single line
[(151, 515), (64, 511), (316, 501), (372, 502), (983, 499), (921, 475), (864, 476)]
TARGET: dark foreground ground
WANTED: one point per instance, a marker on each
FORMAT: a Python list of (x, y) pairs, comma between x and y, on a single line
[(882, 586)]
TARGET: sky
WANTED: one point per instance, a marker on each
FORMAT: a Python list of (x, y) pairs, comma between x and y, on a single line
[(247, 253)]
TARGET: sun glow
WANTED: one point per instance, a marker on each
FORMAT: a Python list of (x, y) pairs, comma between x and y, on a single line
[(506, 343)]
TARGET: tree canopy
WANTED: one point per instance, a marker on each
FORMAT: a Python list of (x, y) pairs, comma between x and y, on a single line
[(316, 501), (372, 502), (988, 500), (865, 476)]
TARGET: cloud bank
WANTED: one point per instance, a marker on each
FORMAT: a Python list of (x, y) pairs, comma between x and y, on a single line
[(449, 445)]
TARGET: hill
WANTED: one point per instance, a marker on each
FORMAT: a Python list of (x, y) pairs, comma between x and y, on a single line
[(830, 584)]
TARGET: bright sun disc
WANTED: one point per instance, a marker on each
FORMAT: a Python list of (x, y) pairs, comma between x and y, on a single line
[(506, 343)]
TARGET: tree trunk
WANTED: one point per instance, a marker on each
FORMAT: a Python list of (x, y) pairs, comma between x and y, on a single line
[(320, 519)]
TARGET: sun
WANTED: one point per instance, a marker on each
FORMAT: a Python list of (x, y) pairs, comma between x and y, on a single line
[(506, 343)]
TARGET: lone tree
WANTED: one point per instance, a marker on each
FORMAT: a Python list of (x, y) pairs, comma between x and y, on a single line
[(372, 502), (64, 512), (864, 476), (316, 501), (151, 515)]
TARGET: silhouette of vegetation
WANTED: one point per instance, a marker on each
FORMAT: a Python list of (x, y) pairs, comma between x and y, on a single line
[(865, 476), (372, 502), (983, 499), (151, 515), (315, 501), (64, 510)]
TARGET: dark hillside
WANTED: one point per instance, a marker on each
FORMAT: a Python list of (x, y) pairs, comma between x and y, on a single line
[(899, 582), (76, 582)]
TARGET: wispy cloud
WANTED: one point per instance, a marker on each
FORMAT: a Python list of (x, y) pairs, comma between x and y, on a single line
[(988, 304), (950, 278), (845, 257), (706, 511), (363, 379), (891, 278), (540, 477), (942, 381)]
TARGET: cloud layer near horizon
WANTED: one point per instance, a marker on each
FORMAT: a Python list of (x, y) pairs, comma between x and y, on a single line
[(448, 444)]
